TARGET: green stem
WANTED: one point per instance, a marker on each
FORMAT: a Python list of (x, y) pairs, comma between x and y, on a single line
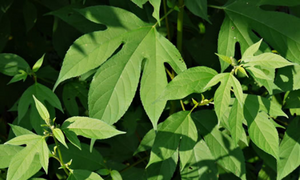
[(180, 25), (216, 7), (166, 19), (60, 157), (134, 164)]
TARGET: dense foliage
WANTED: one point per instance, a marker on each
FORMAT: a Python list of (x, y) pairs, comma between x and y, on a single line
[(150, 89)]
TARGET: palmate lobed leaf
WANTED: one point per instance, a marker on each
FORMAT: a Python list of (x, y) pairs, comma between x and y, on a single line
[(30, 159), (268, 25), (222, 94), (115, 83)]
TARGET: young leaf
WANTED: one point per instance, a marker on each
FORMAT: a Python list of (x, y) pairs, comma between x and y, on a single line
[(115, 175), (222, 94), (261, 131), (38, 64), (178, 126), (192, 80), (201, 165), (58, 134), (42, 110), (77, 174), (289, 150), (22, 75), (268, 60), (227, 153), (90, 128), (225, 58), (121, 73), (250, 51), (10, 64)]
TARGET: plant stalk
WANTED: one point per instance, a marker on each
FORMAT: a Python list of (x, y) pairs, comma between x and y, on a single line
[(180, 25), (60, 157)]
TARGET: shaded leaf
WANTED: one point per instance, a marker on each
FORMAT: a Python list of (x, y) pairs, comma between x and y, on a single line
[(163, 169), (198, 7), (10, 64), (221, 146), (201, 165), (178, 127), (235, 121), (261, 131), (289, 150)]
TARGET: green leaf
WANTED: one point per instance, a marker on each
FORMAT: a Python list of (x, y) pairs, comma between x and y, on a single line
[(268, 60), (279, 2), (235, 122), (29, 14), (22, 75), (79, 174), (154, 3), (222, 94), (261, 131), (115, 175), (72, 137), (141, 42), (71, 16), (221, 146), (7, 152), (250, 51), (289, 150), (18, 130), (225, 58), (42, 93), (288, 78), (90, 128), (81, 159), (58, 134), (177, 129), (201, 165), (192, 80), (42, 110), (199, 8), (38, 64), (268, 24), (30, 159), (71, 92), (163, 169), (10, 64), (148, 140), (235, 31)]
